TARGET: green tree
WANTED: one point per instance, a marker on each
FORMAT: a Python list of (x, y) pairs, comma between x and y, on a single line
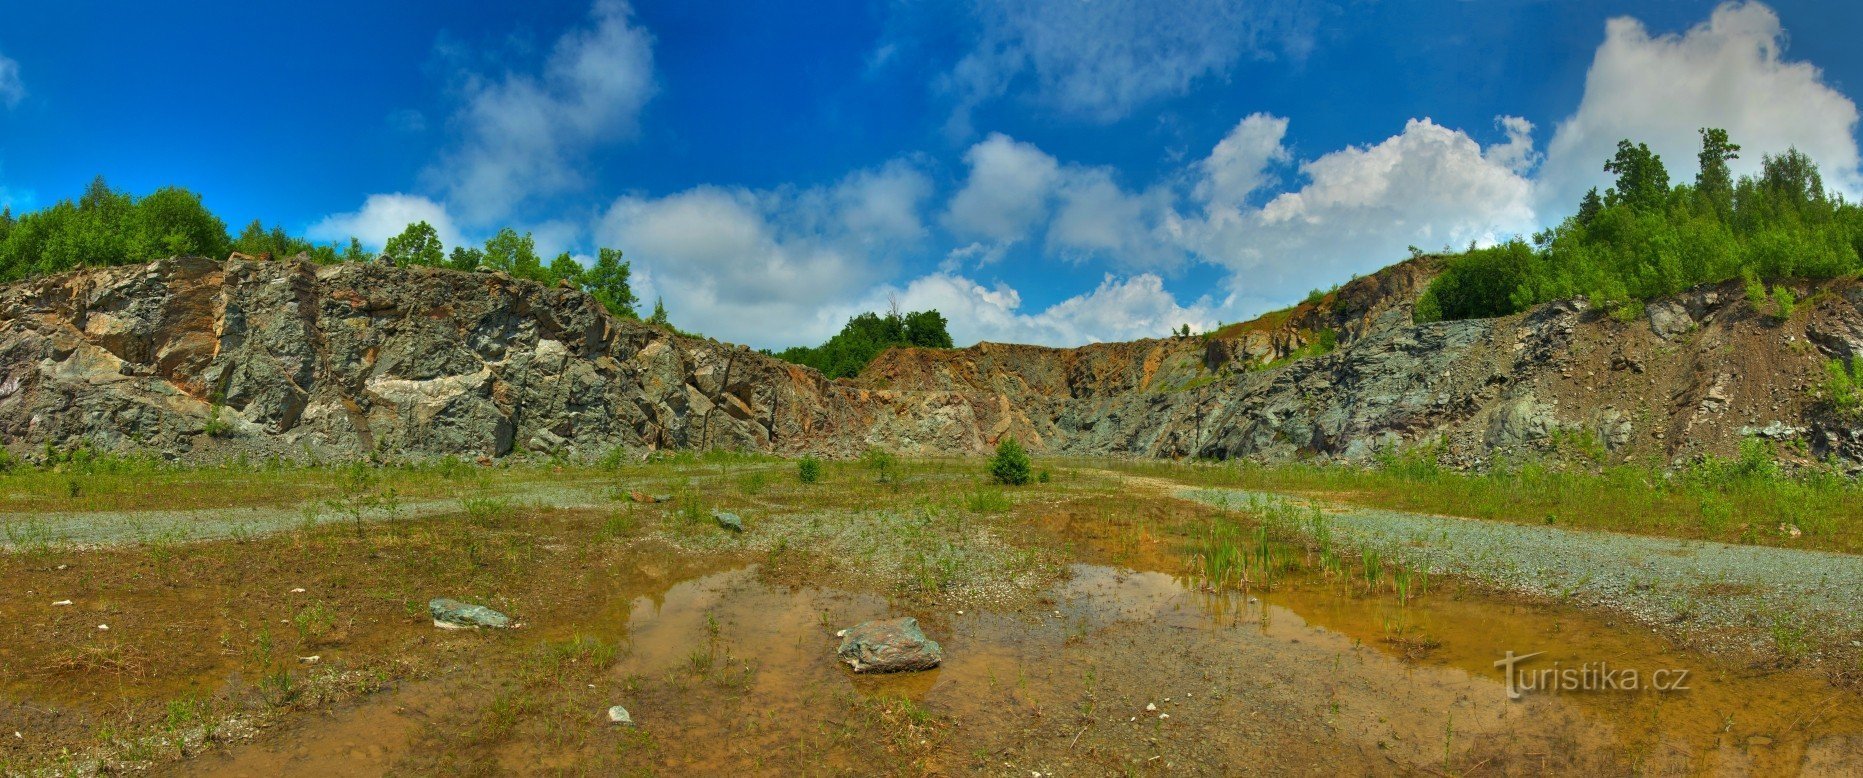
[(172, 221), (516, 254), (1715, 181), (419, 244), (607, 281), (659, 313), (354, 252), (1642, 182), (1011, 464), (566, 268), (467, 258)]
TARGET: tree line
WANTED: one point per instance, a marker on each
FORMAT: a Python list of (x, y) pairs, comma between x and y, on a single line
[(108, 227), (1644, 237), (865, 336)]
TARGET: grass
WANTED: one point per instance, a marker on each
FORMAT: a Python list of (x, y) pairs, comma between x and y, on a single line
[(1746, 499)]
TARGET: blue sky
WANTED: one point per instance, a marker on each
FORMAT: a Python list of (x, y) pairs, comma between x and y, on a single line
[(1054, 171)]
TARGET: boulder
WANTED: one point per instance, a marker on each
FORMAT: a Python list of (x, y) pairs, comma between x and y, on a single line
[(888, 646), (453, 614), (728, 520), (619, 715)]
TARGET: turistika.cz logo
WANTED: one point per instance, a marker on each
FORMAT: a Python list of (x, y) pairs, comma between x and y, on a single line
[(1584, 677)]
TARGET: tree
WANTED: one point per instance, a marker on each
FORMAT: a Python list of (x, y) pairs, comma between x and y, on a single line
[(659, 313), (467, 258), (566, 268), (172, 221), (1010, 466), (1642, 182), (927, 329), (354, 252), (1715, 182), (1791, 179), (1589, 206), (515, 254), (607, 281), (419, 244)]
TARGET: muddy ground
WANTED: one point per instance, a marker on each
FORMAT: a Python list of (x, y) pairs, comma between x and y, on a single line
[(1081, 639)]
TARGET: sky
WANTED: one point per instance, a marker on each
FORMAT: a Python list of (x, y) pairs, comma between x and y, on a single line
[(1044, 171)]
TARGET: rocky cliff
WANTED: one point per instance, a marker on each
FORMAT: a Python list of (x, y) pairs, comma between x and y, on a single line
[(200, 360)]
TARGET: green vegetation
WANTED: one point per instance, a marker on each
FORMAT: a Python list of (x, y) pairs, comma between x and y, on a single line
[(1010, 465), (107, 227), (1644, 238), (809, 470), (865, 336), (1748, 498)]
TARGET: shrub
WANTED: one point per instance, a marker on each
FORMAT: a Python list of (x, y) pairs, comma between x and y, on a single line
[(809, 470), (881, 462), (1011, 464)]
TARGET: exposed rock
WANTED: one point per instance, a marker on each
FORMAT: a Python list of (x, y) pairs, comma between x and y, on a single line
[(619, 715), (453, 614), (342, 361), (727, 520), (888, 646)]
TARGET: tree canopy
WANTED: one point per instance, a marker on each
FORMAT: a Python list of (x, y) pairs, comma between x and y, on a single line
[(868, 334), (1645, 238), (108, 227)]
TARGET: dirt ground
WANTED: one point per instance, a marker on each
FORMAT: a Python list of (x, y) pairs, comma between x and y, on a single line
[(1079, 640)]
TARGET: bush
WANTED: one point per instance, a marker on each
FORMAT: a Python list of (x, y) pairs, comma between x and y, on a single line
[(809, 470), (1010, 466), (881, 462)]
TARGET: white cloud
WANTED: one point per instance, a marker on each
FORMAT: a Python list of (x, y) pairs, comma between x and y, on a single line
[(383, 216), (1239, 165), (1007, 192), (763, 267), (527, 135), (1728, 72), (1100, 60), (1118, 309), (12, 89), (1361, 206)]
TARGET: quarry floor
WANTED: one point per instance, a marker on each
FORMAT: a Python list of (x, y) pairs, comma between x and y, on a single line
[(274, 623)]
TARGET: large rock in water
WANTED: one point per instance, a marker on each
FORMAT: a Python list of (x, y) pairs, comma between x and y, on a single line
[(453, 614), (889, 646)]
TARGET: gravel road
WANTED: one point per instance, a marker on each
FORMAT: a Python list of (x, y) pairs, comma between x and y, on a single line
[(1697, 586)]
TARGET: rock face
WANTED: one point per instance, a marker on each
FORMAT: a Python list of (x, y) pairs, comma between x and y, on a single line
[(889, 646), (199, 360), (453, 614)]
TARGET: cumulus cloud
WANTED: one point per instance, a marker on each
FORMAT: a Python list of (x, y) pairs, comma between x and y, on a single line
[(524, 135), (383, 216), (12, 89), (1240, 164), (1100, 60), (1361, 206), (1118, 309), (1006, 193), (1727, 72), (1014, 190), (765, 266)]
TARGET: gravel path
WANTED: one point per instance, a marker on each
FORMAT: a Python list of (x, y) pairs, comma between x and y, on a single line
[(116, 528), (1691, 584)]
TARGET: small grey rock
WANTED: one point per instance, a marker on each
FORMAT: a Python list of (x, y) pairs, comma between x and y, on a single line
[(453, 614), (728, 520), (889, 646), (619, 715)]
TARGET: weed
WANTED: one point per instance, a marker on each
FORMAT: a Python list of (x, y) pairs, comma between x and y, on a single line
[(809, 470)]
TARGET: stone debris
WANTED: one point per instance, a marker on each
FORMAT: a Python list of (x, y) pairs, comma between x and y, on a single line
[(889, 646), (453, 614)]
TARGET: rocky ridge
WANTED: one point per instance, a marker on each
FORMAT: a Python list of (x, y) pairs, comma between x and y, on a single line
[(200, 360)]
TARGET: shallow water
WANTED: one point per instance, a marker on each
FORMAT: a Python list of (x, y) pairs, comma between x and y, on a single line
[(1288, 680)]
